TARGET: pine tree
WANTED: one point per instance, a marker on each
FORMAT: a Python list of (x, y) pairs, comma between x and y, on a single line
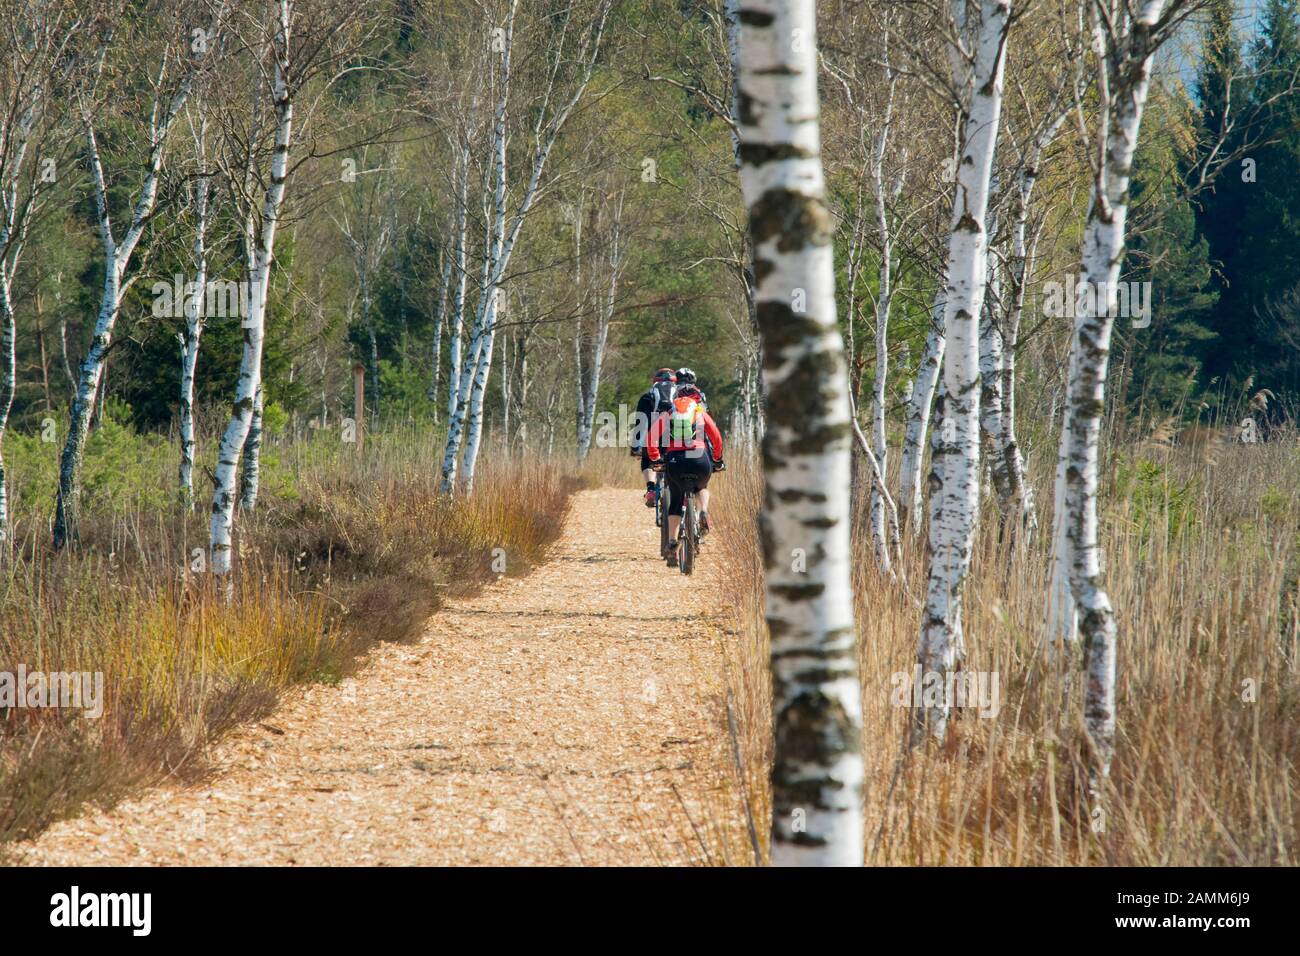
[(1252, 222), (1162, 360)]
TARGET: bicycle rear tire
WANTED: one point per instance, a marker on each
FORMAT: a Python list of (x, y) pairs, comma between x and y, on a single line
[(661, 515), (686, 552)]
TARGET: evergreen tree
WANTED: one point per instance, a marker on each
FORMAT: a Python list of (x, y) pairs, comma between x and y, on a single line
[(1252, 222), (1164, 359)]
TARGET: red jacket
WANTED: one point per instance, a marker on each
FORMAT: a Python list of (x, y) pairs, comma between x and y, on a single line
[(704, 423)]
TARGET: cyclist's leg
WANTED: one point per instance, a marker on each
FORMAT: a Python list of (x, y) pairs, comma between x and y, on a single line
[(702, 471), (648, 474), (676, 495)]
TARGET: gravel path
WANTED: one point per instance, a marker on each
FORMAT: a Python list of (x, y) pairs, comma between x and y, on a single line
[(572, 716)]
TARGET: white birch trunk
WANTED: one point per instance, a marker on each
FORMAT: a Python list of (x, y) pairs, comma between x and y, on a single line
[(439, 321), (501, 246), (817, 767), (919, 404), (601, 336), (493, 266), (250, 478), (254, 323), (1022, 256), (954, 477), (1129, 51), (194, 321), (1062, 616), (13, 229), (884, 302), (579, 362), (992, 425), (456, 331), (474, 428), (1023, 252), (117, 258), (880, 445)]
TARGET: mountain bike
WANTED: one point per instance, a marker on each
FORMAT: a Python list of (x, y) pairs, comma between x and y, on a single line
[(661, 510), (688, 532)]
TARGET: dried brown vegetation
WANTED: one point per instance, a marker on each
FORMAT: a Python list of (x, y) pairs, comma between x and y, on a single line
[(354, 551), (1203, 560)]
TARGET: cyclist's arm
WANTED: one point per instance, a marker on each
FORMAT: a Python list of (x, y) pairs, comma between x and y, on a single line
[(652, 442), (641, 422), (714, 436)]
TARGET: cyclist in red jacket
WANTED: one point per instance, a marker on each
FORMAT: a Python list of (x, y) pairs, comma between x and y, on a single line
[(692, 451)]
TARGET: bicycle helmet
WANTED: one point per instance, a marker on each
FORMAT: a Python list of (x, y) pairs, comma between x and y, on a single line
[(664, 375), (686, 376)]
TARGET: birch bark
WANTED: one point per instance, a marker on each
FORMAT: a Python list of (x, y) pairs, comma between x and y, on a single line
[(439, 322), (117, 259), (467, 423), (194, 315), (954, 476), (15, 136), (600, 337), (456, 331), (254, 323), (1128, 45), (881, 530), (919, 405), (250, 475), (804, 523)]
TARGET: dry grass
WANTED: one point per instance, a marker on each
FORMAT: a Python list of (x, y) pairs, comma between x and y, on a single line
[(343, 551), (1202, 561)]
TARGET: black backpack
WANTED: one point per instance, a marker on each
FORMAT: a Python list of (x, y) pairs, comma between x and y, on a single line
[(662, 393)]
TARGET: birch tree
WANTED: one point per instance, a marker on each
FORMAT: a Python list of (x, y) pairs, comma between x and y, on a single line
[(505, 224), (289, 49), (366, 222), (439, 324), (34, 40), (180, 59), (711, 82), (804, 523), (920, 400), (874, 153), (1126, 39), (978, 52), (615, 245), (1044, 127), (260, 250), (194, 306), (924, 386), (456, 330)]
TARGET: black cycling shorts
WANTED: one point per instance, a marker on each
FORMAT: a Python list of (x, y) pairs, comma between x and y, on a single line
[(686, 469)]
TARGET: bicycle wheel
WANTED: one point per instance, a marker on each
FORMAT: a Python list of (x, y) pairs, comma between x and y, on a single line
[(690, 541), (661, 515)]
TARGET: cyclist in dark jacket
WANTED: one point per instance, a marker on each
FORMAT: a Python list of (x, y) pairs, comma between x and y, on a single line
[(658, 401)]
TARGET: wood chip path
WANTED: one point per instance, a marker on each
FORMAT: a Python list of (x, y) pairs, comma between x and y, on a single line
[(571, 716)]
